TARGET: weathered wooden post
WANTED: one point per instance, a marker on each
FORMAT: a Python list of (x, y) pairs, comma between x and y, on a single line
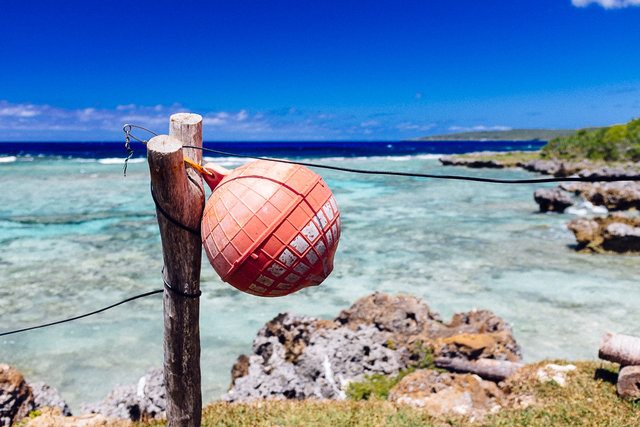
[(179, 196)]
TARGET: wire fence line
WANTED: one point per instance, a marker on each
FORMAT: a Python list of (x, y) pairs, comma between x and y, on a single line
[(70, 319), (127, 128)]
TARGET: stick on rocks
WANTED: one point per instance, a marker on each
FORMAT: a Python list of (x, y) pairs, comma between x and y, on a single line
[(490, 369)]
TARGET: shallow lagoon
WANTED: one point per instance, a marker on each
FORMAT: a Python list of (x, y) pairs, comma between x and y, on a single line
[(75, 235)]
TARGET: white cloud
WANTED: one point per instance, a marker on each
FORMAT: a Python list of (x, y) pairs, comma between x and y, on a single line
[(32, 122), (410, 126), (477, 128), (607, 4), (242, 115), (126, 107), (17, 111)]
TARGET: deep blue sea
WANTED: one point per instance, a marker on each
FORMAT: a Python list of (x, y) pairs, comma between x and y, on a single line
[(100, 150), (76, 235)]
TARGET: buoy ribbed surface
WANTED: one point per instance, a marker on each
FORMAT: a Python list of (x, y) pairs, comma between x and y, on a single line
[(271, 229)]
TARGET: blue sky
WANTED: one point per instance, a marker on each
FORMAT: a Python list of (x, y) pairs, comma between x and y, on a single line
[(314, 70)]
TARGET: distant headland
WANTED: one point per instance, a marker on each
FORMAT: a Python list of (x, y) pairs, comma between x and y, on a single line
[(502, 135)]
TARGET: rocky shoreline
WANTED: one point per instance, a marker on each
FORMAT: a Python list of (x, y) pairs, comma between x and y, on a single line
[(616, 233), (555, 167), (298, 357), (20, 398), (461, 367)]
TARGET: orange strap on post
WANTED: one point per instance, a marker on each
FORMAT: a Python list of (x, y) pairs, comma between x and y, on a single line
[(198, 167)]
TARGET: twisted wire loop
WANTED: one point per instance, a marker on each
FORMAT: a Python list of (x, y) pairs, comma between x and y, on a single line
[(127, 128), (178, 291)]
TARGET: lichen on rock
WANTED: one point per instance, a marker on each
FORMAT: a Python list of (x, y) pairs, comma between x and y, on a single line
[(299, 357), (449, 393)]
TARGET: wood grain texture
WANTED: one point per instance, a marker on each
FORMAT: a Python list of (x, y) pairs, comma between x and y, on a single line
[(629, 382), (181, 195), (622, 349)]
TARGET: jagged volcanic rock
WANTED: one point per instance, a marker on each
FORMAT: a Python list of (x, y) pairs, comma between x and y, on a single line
[(300, 357)]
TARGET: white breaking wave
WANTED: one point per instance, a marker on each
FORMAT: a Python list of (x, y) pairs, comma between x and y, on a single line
[(119, 160), (226, 161), (8, 159), (586, 208), (403, 158)]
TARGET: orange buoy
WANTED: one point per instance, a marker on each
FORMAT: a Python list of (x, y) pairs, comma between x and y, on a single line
[(270, 229)]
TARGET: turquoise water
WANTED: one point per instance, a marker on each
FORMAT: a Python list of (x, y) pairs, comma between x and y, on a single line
[(75, 235)]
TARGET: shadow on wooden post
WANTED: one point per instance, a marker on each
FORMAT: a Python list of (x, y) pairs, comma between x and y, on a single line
[(179, 197)]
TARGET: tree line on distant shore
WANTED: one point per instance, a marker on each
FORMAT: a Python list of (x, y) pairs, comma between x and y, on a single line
[(618, 143)]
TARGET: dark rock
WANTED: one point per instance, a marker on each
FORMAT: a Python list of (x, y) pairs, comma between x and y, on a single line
[(621, 195), (144, 401), (609, 172), (547, 167), (576, 188), (586, 231), (449, 394), (409, 320), (615, 233), (471, 322), (46, 396), (619, 237), (559, 168), (495, 345), (293, 332), (403, 316), (240, 368), (473, 160), (614, 196), (553, 199), (330, 359), (16, 397), (299, 357), (473, 335)]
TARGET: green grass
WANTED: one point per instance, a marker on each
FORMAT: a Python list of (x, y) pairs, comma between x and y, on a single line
[(509, 159), (587, 400), (378, 386)]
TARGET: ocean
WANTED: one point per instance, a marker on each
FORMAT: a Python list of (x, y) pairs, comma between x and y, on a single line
[(76, 235)]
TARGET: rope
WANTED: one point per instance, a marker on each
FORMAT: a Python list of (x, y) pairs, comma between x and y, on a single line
[(172, 219), (146, 294), (424, 175)]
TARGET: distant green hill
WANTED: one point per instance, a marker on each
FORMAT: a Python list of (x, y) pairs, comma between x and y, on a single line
[(502, 135), (612, 144)]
